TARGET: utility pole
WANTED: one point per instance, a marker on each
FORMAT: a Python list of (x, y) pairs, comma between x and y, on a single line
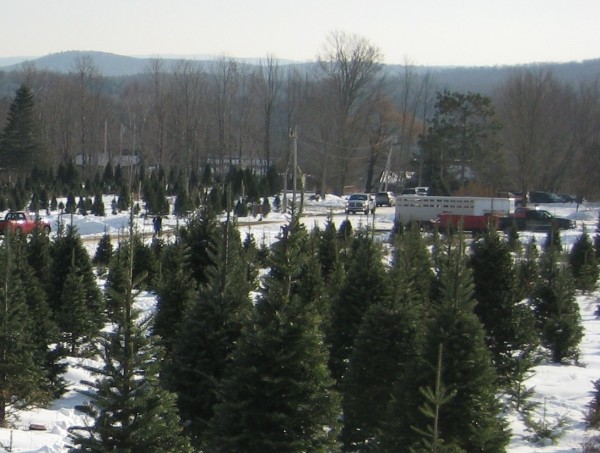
[(388, 164)]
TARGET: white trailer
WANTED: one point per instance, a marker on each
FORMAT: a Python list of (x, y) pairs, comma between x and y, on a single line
[(421, 209)]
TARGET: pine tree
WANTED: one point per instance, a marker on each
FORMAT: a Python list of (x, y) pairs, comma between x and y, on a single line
[(200, 237), (21, 146), (73, 317), (388, 343), (22, 381), (509, 324), (277, 394), (210, 328), (528, 270), (104, 252), (98, 206), (131, 412), (366, 284), (175, 291), (556, 309), (68, 253), (472, 419), (49, 351), (584, 265)]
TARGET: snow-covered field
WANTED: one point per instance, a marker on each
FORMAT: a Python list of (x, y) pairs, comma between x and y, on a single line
[(563, 391)]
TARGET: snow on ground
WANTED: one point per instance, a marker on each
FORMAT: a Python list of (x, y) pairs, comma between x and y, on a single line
[(563, 391)]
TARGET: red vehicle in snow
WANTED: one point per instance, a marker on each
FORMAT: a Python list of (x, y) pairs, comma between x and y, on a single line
[(22, 222)]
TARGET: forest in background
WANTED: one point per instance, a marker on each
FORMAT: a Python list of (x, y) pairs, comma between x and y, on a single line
[(348, 117)]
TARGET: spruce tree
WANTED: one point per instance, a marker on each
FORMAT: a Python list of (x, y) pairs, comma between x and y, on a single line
[(509, 324), (584, 266), (22, 380), (471, 420), (366, 284), (130, 410), (206, 332), (21, 145), (68, 253), (104, 252), (200, 236), (277, 394), (175, 292), (556, 310), (49, 352), (387, 345), (73, 317), (528, 270)]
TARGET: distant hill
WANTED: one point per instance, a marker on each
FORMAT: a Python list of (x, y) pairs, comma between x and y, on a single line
[(475, 79)]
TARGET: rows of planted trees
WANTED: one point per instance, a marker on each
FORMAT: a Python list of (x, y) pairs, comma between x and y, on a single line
[(331, 350)]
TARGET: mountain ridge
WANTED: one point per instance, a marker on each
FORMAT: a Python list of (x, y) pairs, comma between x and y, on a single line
[(459, 78)]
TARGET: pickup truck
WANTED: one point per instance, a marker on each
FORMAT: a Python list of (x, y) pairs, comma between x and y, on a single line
[(22, 222), (360, 202), (534, 220)]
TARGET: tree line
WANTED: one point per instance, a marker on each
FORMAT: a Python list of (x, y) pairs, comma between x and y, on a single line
[(331, 350), (352, 121)]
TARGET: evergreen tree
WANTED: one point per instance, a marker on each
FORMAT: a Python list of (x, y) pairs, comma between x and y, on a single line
[(98, 206), (175, 291), (553, 239), (21, 145), (328, 248), (104, 251), (584, 265), (366, 284), (22, 381), (131, 412), (388, 343), (556, 309), (200, 236), (528, 270), (73, 317), (209, 331), (277, 394), (48, 352), (68, 253), (471, 420), (509, 324)]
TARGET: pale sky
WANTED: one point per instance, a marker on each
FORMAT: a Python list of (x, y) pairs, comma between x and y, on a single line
[(423, 32)]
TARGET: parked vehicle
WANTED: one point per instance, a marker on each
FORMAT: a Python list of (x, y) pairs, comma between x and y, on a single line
[(534, 220), (360, 202), (385, 199), (537, 197), (22, 222), (421, 191), (426, 210)]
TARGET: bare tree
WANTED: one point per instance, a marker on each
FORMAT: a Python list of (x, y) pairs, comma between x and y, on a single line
[(350, 64), (189, 91), (159, 109), (267, 86), (536, 111), (89, 84)]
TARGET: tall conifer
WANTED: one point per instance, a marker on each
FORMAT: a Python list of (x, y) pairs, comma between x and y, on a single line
[(509, 324), (277, 394), (556, 309), (471, 419), (130, 410), (366, 284)]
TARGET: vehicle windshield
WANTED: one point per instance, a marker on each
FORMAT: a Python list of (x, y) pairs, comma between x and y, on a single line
[(358, 197)]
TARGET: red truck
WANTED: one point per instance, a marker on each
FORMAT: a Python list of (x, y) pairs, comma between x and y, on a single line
[(22, 222), (521, 218)]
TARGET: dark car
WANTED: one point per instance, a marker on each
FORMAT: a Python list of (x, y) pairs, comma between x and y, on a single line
[(385, 199), (537, 197)]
